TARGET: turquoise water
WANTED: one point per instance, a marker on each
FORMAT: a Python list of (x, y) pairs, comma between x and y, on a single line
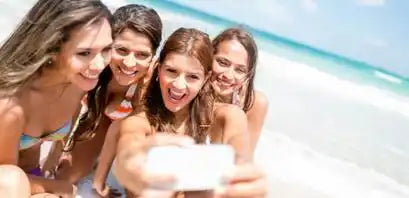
[(335, 127), (341, 66)]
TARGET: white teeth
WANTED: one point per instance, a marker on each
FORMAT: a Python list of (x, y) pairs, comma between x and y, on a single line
[(90, 76), (176, 95), (127, 72)]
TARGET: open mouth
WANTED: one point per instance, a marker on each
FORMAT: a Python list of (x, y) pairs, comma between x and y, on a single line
[(175, 97), (129, 72), (90, 76), (223, 84)]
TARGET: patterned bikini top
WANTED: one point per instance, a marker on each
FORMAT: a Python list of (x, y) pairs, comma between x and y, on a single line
[(124, 108), (27, 141)]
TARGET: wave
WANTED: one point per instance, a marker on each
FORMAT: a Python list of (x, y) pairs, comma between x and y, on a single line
[(303, 171), (305, 75), (387, 77)]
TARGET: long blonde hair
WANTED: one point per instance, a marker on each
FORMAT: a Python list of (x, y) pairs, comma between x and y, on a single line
[(33, 44)]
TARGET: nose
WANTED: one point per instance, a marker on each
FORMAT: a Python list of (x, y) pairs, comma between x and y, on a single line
[(228, 75), (98, 63), (179, 83), (130, 60)]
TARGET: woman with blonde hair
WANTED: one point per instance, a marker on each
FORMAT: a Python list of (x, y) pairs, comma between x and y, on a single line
[(47, 64)]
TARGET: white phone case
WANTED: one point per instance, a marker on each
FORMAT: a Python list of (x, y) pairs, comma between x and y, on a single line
[(196, 167)]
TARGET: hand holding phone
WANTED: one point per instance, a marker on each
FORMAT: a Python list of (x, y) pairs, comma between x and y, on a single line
[(195, 167)]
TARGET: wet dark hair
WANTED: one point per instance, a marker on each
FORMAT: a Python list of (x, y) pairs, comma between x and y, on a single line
[(246, 39)]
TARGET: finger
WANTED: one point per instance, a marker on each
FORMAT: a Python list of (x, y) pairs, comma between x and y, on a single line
[(253, 189), (245, 172), (151, 193)]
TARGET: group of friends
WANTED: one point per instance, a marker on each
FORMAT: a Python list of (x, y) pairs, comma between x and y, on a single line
[(90, 81)]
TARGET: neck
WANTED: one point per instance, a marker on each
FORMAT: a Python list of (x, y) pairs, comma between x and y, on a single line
[(226, 98), (52, 84), (180, 119)]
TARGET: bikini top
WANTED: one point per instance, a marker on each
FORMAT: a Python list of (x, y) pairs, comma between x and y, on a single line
[(27, 141), (124, 108)]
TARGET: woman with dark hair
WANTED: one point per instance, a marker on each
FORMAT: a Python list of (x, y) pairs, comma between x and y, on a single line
[(137, 32), (179, 102), (234, 70), (48, 63)]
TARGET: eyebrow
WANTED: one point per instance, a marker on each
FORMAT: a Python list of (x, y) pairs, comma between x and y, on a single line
[(90, 49)]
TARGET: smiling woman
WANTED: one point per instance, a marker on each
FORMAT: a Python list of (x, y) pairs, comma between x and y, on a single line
[(47, 64)]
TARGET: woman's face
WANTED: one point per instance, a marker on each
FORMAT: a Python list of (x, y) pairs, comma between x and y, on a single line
[(180, 77), (83, 57), (230, 67), (131, 57)]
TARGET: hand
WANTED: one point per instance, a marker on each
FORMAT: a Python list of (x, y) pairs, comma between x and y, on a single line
[(247, 181), (130, 165), (51, 163), (64, 189), (104, 190)]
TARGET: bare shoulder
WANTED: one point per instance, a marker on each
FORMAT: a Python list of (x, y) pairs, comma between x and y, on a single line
[(260, 100), (260, 104), (225, 111), (135, 123), (11, 115)]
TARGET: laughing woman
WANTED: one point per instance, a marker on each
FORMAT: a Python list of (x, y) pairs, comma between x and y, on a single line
[(179, 101), (48, 63), (137, 32), (234, 70)]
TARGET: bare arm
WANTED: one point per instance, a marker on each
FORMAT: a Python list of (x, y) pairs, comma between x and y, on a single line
[(234, 123), (11, 128), (132, 132), (255, 117)]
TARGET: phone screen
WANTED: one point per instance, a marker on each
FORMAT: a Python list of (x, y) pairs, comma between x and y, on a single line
[(196, 167)]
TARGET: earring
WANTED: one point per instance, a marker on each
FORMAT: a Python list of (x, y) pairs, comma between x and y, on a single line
[(157, 79)]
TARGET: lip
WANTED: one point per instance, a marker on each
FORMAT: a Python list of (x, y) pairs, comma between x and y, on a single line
[(90, 76), (175, 97), (223, 83), (127, 71)]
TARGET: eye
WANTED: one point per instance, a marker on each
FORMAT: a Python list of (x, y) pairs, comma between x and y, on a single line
[(122, 51), (240, 70), (222, 62), (169, 70), (194, 77), (84, 53), (142, 55)]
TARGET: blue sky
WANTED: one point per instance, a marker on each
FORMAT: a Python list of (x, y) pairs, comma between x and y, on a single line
[(373, 31)]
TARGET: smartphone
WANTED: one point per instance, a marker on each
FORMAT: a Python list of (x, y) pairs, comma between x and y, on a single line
[(195, 167)]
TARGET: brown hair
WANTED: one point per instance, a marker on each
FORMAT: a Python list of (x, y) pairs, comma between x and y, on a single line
[(33, 44), (140, 19), (245, 38), (196, 44)]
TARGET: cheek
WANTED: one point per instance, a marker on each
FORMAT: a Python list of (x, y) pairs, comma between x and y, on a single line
[(76, 64), (194, 90), (217, 69)]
